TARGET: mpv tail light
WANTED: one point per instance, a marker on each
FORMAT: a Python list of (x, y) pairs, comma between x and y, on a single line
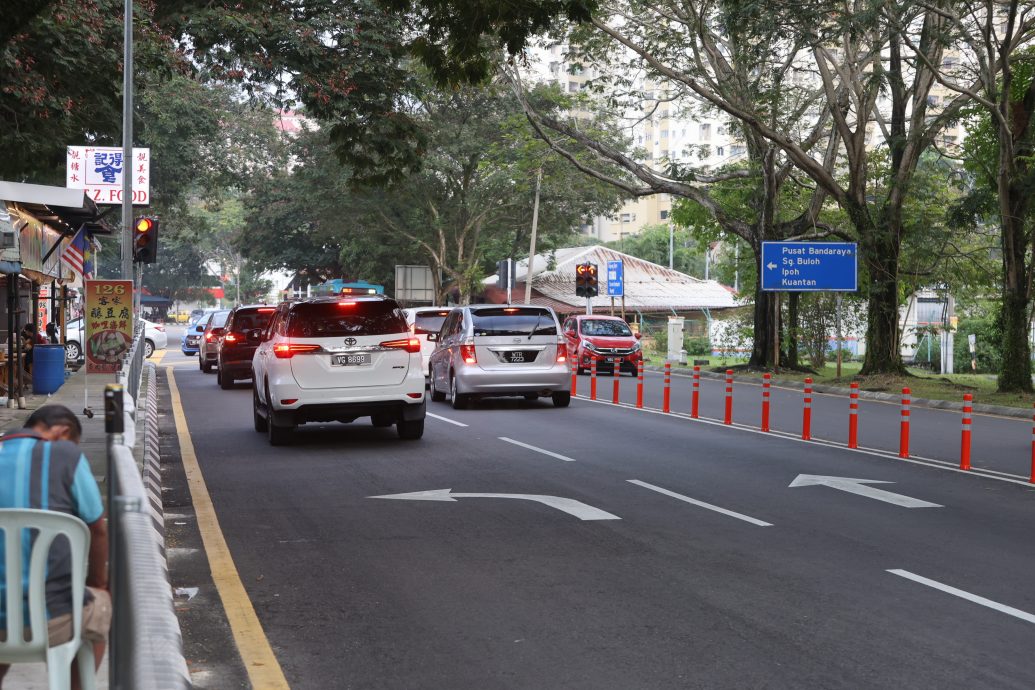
[(231, 339), (289, 350), (467, 354), (562, 353), (411, 345)]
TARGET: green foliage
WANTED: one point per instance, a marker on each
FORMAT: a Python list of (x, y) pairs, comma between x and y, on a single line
[(651, 244)]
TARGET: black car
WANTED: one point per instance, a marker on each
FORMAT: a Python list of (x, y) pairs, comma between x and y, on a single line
[(241, 336)]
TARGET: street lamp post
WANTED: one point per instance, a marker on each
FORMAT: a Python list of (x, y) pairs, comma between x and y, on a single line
[(127, 143)]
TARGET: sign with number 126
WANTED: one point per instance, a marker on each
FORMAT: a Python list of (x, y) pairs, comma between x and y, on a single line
[(108, 322)]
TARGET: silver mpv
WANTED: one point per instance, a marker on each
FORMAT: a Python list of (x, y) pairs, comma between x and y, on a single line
[(495, 350)]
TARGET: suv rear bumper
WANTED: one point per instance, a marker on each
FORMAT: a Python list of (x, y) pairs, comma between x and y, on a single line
[(346, 412)]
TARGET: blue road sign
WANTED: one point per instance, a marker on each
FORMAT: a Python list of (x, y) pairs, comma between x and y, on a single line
[(810, 266), (615, 279)]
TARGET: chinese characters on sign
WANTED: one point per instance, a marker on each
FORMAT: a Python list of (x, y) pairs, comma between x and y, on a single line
[(99, 170), (109, 324)]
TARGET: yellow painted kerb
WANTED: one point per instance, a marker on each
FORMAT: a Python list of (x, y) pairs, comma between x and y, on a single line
[(261, 664)]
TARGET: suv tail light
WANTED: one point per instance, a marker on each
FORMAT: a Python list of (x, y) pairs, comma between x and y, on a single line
[(467, 354), (411, 345), (289, 350), (231, 339), (562, 353)]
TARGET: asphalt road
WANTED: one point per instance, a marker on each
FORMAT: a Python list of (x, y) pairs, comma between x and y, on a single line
[(791, 588)]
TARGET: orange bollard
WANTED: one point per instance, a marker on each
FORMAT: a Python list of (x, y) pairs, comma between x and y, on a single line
[(766, 380), (593, 379), (617, 369), (853, 416), (728, 419), (903, 436), (968, 409), (697, 391), (639, 385), (666, 405), (575, 382), (1032, 480), (806, 412)]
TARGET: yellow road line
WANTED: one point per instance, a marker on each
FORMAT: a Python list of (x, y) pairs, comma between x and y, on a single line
[(158, 356), (259, 661)]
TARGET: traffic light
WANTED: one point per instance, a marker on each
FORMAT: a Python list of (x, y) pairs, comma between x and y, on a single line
[(145, 240), (586, 280)]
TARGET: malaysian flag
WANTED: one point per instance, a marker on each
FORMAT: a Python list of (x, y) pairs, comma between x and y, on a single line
[(75, 254)]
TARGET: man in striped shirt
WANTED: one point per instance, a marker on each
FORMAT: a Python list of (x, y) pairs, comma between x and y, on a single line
[(41, 467)]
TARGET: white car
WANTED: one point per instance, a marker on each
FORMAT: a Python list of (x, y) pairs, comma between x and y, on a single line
[(154, 339), (425, 323), (336, 359)]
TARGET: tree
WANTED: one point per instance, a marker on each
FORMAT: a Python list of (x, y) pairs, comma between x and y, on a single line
[(998, 80)]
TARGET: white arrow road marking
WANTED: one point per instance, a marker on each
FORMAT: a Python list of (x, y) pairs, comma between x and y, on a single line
[(565, 505), (444, 419), (858, 487), (1002, 608), (565, 458), (702, 504), (770, 265)]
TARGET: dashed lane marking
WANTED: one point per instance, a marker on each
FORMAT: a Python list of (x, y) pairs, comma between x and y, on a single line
[(446, 419), (995, 605), (701, 504), (262, 666), (565, 458)]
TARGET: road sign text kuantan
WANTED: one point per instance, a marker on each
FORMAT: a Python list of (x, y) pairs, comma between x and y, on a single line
[(586, 280)]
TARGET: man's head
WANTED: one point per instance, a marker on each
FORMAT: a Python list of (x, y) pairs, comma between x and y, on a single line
[(55, 423)]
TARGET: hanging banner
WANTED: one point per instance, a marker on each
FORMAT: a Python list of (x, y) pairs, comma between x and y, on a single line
[(108, 319)]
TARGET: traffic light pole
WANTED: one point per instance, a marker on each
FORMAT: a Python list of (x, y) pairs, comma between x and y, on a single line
[(589, 305), (127, 144)]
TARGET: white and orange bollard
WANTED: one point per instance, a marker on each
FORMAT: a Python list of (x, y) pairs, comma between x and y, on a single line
[(617, 371), (968, 410), (593, 379), (575, 381), (806, 412), (853, 416), (639, 385), (696, 397), (728, 416), (903, 434), (766, 380), (666, 400)]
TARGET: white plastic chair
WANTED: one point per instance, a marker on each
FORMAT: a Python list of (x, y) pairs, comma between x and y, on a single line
[(48, 525)]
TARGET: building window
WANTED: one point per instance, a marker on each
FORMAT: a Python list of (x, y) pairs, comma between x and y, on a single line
[(573, 87), (664, 134), (664, 215), (737, 150), (720, 151), (706, 131)]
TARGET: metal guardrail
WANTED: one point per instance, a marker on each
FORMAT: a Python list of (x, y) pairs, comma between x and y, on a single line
[(133, 364), (146, 648)]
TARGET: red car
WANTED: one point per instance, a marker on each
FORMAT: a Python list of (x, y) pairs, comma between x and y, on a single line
[(606, 339), (240, 338)]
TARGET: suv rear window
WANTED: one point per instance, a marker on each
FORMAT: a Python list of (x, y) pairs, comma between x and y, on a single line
[(332, 319), (429, 321), (250, 319), (606, 327), (513, 321)]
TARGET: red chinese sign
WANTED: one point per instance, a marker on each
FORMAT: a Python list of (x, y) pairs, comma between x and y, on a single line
[(108, 320)]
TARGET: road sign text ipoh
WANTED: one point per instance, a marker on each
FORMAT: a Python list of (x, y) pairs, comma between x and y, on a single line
[(810, 266), (615, 279)]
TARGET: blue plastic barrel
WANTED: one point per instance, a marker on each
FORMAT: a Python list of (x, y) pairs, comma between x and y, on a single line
[(48, 368)]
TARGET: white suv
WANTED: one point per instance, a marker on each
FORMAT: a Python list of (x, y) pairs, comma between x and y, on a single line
[(337, 359)]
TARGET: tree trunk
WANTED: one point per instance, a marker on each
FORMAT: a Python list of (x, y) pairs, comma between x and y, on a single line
[(1015, 371), (791, 360), (880, 250), (764, 329)]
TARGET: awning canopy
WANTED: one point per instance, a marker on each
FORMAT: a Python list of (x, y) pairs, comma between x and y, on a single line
[(66, 210)]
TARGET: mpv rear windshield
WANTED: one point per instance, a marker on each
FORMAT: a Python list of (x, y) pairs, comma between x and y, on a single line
[(332, 319), (513, 321), (606, 327), (250, 319), (429, 322), (219, 319)]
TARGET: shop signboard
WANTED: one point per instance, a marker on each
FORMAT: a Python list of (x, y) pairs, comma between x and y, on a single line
[(108, 319), (99, 170)]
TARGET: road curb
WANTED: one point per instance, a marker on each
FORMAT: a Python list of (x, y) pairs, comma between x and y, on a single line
[(1000, 410), (153, 461)]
